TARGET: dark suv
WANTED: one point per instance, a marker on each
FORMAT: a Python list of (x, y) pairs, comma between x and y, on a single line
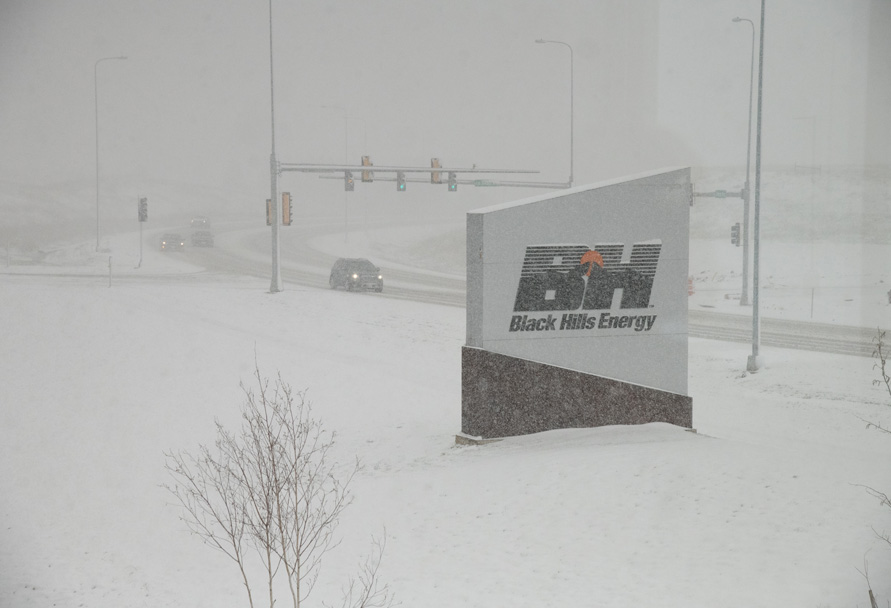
[(356, 273)]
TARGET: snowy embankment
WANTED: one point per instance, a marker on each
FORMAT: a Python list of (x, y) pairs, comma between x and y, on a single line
[(764, 506)]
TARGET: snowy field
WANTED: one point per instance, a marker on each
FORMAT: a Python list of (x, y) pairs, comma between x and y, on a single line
[(765, 505)]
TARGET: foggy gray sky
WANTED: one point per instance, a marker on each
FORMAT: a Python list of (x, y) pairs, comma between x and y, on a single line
[(657, 83)]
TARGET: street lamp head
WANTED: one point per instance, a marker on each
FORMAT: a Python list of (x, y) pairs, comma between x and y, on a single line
[(736, 19), (101, 59), (540, 41)]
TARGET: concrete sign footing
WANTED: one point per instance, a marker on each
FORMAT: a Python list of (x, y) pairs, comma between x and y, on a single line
[(505, 396)]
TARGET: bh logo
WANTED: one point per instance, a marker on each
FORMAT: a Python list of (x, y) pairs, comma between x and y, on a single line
[(573, 277)]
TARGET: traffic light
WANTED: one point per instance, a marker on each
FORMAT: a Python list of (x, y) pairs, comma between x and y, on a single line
[(268, 212), (348, 184), (400, 181), (143, 209), (734, 234), (367, 176), (453, 182), (286, 208), (435, 176)]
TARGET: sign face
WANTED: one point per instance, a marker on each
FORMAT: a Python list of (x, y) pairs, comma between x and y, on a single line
[(592, 279)]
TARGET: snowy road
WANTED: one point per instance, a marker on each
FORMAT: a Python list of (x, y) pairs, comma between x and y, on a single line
[(822, 337), (247, 252)]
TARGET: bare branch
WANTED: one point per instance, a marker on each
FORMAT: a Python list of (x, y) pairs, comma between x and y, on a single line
[(366, 590), (272, 490), (212, 500), (881, 354), (874, 425)]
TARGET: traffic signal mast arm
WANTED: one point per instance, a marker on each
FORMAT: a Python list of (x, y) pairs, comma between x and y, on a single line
[(465, 182), (319, 168), (721, 194), (372, 172)]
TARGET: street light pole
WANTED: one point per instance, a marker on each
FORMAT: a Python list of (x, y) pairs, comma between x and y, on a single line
[(744, 296), (571, 102), (754, 361), (96, 98)]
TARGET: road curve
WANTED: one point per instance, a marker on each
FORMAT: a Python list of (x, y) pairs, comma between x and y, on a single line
[(248, 252)]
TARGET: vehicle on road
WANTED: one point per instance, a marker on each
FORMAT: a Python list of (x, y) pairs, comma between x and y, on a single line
[(202, 238), (356, 274), (172, 242), (199, 222)]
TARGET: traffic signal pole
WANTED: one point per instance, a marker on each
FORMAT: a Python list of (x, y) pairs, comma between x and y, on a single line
[(142, 217), (276, 283), (744, 297), (753, 364)]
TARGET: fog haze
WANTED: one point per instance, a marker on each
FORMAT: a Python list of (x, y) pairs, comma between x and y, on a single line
[(656, 83), (117, 351)]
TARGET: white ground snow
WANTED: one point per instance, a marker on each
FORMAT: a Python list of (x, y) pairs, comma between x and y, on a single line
[(764, 506)]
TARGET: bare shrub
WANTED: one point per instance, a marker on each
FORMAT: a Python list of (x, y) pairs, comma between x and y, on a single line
[(880, 354), (270, 491)]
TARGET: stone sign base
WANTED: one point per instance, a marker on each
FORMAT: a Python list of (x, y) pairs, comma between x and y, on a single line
[(503, 396)]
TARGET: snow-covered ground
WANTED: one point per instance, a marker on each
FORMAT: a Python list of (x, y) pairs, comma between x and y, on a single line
[(764, 506)]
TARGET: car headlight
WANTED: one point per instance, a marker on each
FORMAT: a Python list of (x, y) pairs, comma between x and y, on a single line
[(380, 277), (355, 276)]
